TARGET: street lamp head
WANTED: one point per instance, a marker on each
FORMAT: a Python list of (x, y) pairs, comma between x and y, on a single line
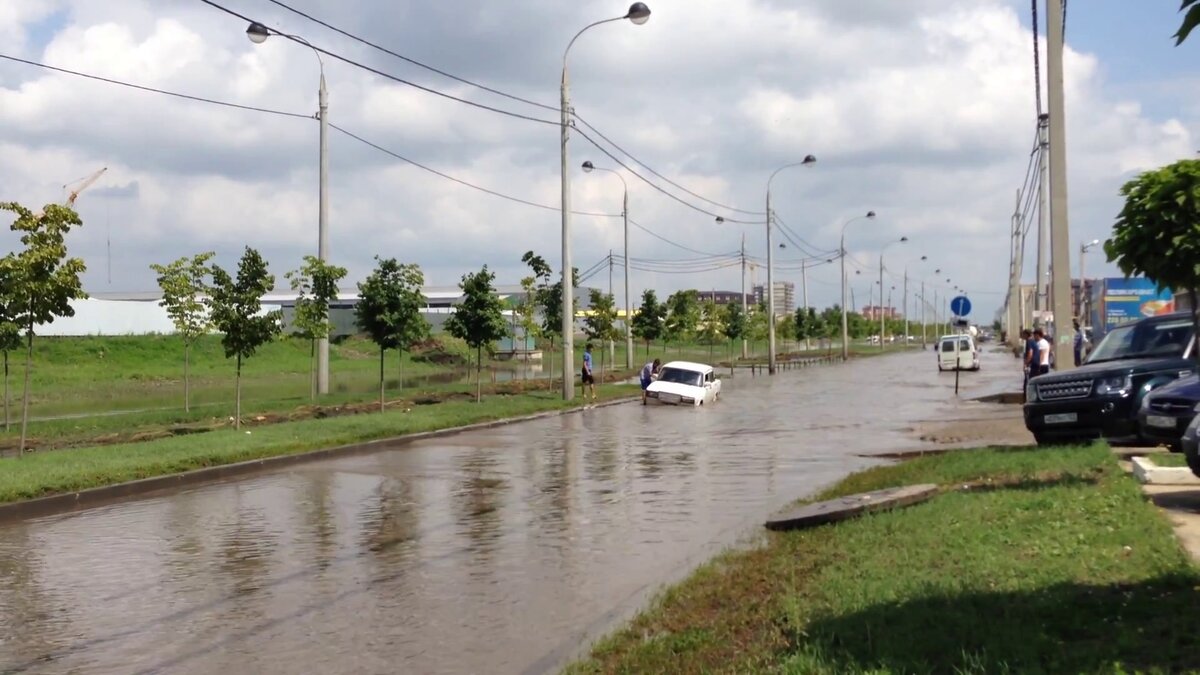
[(871, 215), (924, 258), (638, 14), (783, 246), (809, 159), (938, 271), (257, 33), (903, 239), (720, 219), (588, 166)]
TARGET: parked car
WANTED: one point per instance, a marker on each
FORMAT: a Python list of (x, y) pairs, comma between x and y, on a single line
[(1190, 444), (1101, 398), (957, 352), (1167, 412), (684, 383)]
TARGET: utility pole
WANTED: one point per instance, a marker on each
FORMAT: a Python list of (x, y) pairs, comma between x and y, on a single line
[(612, 351), (1015, 318), (1041, 296), (924, 325), (1060, 233), (804, 289), (905, 305), (745, 315)]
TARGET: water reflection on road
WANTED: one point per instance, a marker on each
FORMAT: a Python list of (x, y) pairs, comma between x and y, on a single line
[(494, 551)]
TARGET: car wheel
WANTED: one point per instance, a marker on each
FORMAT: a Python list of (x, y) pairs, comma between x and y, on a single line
[(1175, 447), (1044, 441)]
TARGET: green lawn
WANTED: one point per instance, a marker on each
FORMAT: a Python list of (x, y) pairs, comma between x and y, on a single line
[(1029, 561), (1171, 459), (40, 474)]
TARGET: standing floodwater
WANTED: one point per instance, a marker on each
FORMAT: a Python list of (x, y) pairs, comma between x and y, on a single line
[(495, 551)]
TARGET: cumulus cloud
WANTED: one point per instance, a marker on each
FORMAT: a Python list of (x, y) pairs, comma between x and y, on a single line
[(920, 110)]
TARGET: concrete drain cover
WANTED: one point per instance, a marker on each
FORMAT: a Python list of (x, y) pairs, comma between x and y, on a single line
[(844, 508)]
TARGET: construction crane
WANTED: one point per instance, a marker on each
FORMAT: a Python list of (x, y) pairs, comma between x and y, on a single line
[(81, 185)]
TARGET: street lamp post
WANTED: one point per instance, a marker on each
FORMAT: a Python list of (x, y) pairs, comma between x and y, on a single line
[(883, 314), (258, 34), (638, 14), (1083, 249), (588, 167), (870, 215), (807, 161), (923, 259)]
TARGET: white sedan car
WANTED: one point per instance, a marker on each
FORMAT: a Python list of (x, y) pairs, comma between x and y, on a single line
[(684, 383)]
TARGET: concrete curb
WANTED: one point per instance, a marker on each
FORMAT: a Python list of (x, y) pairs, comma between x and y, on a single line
[(98, 496), (1147, 472)]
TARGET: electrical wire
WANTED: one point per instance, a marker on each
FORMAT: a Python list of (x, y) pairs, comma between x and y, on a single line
[(413, 61), (201, 99), (389, 76), (513, 97)]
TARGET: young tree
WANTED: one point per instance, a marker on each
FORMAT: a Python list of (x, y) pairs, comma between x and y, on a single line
[(648, 321), (735, 325), (315, 284), (831, 319), (389, 310), (236, 311), (816, 325), (185, 288), (600, 325), (710, 325), (683, 316), (549, 300), (526, 312), (10, 329), (479, 320), (800, 324), (44, 280), (1158, 231), (756, 323)]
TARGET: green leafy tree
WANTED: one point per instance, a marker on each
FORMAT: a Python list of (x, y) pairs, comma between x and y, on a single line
[(235, 306), (734, 325), (683, 316), (185, 289), (1190, 20), (479, 320), (710, 324), (757, 327), (526, 311), (10, 329), (549, 300), (600, 325), (649, 318), (315, 284), (831, 322), (800, 324), (1157, 232), (389, 310), (815, 324), (44, 280)]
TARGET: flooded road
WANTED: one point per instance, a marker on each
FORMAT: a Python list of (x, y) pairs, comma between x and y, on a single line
[(496, 551)]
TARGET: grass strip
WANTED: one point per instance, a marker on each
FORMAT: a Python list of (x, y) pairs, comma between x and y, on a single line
[(42, 474), (1029, 561)]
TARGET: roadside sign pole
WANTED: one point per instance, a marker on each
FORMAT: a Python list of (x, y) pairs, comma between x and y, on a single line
[(961, 307)]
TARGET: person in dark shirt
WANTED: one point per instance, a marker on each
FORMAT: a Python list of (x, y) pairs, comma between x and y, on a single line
[(1031, 354)]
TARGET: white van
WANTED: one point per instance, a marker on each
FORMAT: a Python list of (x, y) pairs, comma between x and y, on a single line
[(957, 352)]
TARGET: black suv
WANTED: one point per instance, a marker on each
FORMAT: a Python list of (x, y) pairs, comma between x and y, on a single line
[(1101, 398)]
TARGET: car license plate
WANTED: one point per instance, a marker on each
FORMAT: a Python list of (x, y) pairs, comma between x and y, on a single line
[(1160, 421), (1062, 418), (669, 398)]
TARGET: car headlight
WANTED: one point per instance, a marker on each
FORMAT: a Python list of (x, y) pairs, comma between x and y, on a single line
[(1031, 392), (1114, 386)]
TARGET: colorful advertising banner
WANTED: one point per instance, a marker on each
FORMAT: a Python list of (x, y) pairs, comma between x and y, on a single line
[(1127, 300)]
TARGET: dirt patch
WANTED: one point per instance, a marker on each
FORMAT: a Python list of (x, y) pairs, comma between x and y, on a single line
[(1004, 428)]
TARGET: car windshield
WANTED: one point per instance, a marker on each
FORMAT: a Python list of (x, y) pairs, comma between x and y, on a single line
[(681, 376), (1145, 339)]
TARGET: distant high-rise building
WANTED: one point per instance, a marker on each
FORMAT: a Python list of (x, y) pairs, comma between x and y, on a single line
[(785, 296)]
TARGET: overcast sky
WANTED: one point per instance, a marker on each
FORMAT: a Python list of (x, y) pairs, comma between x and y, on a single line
[(921, 110)]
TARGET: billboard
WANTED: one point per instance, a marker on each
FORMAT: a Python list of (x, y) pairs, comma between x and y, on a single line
[(1127, 300)]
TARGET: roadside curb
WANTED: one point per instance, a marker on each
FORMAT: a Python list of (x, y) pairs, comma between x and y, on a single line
[(97, 496), (1149, 473)]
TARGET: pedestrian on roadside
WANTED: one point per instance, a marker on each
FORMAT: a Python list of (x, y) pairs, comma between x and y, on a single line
[(1043, 352), (649, 372), (1030, 354), (1080, 341), (588, 379)]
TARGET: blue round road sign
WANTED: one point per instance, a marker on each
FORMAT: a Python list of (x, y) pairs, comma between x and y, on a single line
[(961, 306)]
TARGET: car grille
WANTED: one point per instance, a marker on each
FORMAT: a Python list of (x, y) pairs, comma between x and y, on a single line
[(1171, 406), (1065, 389)]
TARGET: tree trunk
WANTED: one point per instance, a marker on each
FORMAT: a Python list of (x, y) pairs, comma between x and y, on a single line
[(312, 369), (479, 374), (399, 368), (1195, 324), (381, 394), (25, 395), (187, 401), (7, 424), (237, 405), (551, 364)]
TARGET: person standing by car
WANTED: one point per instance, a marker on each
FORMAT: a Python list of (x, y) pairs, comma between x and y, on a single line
[(1031, 355), (1043, 352), (1080, 341), (588, 380), (648, 372)]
